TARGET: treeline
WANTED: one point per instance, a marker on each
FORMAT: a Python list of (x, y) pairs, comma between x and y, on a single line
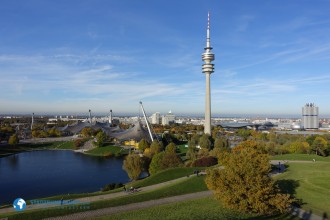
[(273, 143), (203, 151)]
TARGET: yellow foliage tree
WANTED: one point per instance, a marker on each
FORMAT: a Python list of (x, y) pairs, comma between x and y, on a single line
[(244, 183)]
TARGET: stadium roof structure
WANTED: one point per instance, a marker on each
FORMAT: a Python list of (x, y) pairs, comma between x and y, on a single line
[(137, 133)]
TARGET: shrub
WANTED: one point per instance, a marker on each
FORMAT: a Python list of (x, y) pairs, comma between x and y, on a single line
[(107, 154), (205, 162), (111, 186)]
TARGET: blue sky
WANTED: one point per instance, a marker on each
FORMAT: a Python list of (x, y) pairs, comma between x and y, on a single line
[(68, 56)]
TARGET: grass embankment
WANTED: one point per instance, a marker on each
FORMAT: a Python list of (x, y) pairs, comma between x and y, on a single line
[(189, 185), (309, 182), (56, 145), (205, 208), (165, 175), (306, 157), (107, 150)]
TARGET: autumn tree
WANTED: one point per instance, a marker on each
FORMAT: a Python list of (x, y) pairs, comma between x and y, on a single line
[(245, 185), (133, 165), (320, 146), (299, 147), (53, 132), (170, 148), (87, 132), (170, 160), (154, 148), (13, 140), (143, 144)]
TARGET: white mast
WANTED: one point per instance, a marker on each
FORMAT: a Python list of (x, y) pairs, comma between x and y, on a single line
[(145, 118)]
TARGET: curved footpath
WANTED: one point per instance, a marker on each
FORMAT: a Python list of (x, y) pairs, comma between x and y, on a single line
[(133, 206)]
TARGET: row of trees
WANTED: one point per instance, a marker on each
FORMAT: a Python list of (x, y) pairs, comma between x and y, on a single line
[(153, 159), (203, 150), (285, 143), (41, 133)]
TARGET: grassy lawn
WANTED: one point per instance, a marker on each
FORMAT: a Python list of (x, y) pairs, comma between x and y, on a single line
[(190, 185), (205, 208), (108, 150), (307, 157), (309, 182), (182, 149), (164, 176), (63, 145)]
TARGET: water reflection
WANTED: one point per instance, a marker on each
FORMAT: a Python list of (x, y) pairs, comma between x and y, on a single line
[(45, 173)]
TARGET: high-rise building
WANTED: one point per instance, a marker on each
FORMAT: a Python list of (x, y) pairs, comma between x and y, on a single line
[(208, 68), (155, 118), (169, 118), (310, 116)]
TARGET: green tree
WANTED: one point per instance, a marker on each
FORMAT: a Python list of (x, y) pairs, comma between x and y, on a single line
[(155, 164), (143, 144), (205, 142), (192, 153), (244, 133), (222, 144), (13, 140), (100, 139), (133, 165), (244, 183), (193, 142)]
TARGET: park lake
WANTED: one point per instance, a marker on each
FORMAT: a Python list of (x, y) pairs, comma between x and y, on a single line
[(37, 174)]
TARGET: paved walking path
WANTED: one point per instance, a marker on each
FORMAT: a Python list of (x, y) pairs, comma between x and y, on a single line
[(95, 198), (134, 206)]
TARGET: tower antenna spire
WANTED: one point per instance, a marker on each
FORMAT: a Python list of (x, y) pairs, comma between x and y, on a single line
[(208, 42)]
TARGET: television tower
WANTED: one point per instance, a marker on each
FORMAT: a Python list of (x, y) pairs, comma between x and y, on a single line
[(208, 68)]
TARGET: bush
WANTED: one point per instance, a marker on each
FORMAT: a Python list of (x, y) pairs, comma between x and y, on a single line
[(111, 186), (107, 154), (205, 162), (118, 154)]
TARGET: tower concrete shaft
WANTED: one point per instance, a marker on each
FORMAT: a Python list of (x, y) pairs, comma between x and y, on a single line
[(32, 121), (110, 117), (208, 68)]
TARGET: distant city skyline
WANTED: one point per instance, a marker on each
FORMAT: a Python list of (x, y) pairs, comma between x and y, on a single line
[(66, 57)]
